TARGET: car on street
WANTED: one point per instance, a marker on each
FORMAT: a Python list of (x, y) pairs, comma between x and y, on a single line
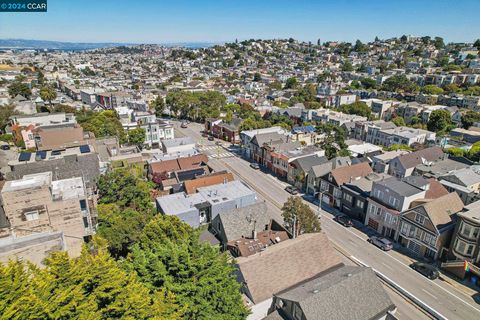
[(291, 190), (204, 134), (476, 298), (429, 271), (211, 138), (255, 166), (218, 143), (184, 125), (381, 243), (5, 147), (344, 220)]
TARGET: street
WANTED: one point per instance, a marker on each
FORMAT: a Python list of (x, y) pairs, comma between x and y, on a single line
[(447, 300)]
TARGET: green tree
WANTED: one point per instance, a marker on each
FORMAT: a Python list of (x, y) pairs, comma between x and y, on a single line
[(359, 108), (104, 124), (158, 104), (91, 286), (438, 43), (291, 83), (124, 189), (121, 228), (399, 121), (400, 83), (456, 152), (136, 137), (395, 147), (451, 88), (170, 255), (48, 93), (5, 113), (368, 83), (439, 120), (431, 89), (474, 152), (347, 66), (477, 44), (469, 118), (18, 87), (257, 77), (277, 85), (299, 218)]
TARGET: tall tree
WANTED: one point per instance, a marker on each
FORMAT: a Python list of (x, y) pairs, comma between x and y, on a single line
[(299, 218), (91, 286), (439, 120), (170, 255), (47, 93), (469, 118), (158, 105), (136, 137), (18, 87), (104, 124)]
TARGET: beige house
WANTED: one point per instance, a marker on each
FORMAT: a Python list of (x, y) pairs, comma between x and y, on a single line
[(36, 204)]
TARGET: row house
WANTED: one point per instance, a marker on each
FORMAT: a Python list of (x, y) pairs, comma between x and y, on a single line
[(367, 130), (299, 169), (403, 165), (331, 183), (317, 172), (465, 182), (255, 145), (426, 228), (465, 244), (222, 130), (402, 135), (390, 197)]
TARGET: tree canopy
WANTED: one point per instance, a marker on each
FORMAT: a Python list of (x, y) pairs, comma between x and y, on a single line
[(91, 286), (136, 136), (48, 93), (195, 105), (469, 118), (359, 108), (400, 83), (299, 218), (103, 124), (170, 256), (439, 120)]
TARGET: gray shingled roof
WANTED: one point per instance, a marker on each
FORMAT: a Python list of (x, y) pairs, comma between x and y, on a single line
[(306, 163), (400, 187), (347, 293), (239, 222)]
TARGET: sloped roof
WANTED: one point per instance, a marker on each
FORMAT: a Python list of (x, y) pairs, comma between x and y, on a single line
[(345, 174), (346, 293), (240, 222), (286, 264), (441, 209), (179, 164), (306, 163), (413, 159)]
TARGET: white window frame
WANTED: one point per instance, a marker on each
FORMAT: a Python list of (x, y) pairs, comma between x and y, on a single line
[(32, 215)]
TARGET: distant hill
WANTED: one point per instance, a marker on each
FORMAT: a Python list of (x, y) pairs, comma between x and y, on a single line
[(58, 45), (54, 45)]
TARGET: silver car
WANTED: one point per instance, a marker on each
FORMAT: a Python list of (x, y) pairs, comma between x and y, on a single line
[(381, 243)]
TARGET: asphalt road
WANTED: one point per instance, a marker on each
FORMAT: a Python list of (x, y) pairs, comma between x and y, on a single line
[(438, 294)]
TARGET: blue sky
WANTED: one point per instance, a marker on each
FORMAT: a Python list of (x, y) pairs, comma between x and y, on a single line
[(225, 20)]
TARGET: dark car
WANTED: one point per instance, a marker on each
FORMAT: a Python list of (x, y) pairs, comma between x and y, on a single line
[(5, 147), (211, 138), (204, 134), (219, 143), (427, 270), (381, 243), (254, 165), (476, 298), (291, 190), (344, 220)]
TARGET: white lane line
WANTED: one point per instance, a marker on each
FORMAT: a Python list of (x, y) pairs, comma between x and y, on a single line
[(431, 295), (387, 266)]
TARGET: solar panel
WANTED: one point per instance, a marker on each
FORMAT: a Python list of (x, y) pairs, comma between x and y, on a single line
[(41, 155), (24, 156), (84, 148)]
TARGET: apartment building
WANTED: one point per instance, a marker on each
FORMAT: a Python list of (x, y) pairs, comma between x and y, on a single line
[(36, 203)]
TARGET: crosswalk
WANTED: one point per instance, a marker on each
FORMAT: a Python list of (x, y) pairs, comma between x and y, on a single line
[(215, 152)]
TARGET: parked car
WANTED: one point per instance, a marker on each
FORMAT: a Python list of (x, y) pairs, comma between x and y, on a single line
[(344, 220), (381, 243), (204, 134), (211, 138), (5, 147), (427, 270), (291, 190), (218, 143), (254, 165), (476, 298), (184, 125)]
